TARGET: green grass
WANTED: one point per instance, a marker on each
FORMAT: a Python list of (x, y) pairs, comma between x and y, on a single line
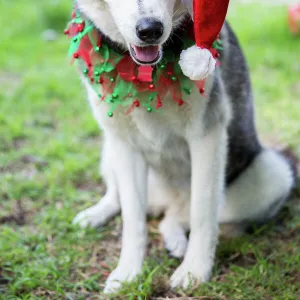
[(49, 153)]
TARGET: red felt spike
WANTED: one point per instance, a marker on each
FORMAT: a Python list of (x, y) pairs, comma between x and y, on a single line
[(201, 86), (181, 102), (142, 87), (159, 102), (72, 30), (163, 86), (175, 90), (126, 69), (84, 50), (99, 43), (81, 27)]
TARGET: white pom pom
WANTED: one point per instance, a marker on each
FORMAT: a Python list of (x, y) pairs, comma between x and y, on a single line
[(197, 63)]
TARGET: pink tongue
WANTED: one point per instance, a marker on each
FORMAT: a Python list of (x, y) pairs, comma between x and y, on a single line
[(146, 54)]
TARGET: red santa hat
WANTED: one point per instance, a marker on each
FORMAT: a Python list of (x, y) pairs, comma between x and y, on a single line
[(197, 62)]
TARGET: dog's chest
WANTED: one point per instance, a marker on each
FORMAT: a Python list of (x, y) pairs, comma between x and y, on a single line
[(160, 136)]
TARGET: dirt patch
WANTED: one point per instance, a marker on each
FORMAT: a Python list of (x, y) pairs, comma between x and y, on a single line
[(22, 163), (239, 259), (88, 185), (18, 217), (26, 167), (14, 144)]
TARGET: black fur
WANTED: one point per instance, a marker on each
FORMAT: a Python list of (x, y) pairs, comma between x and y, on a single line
[(244, 145)]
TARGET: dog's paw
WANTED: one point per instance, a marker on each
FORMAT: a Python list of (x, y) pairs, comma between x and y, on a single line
[(118, 277), (93, 217), (189, 275), (99, 214), (176, 245), (174, 236), (86, 218)]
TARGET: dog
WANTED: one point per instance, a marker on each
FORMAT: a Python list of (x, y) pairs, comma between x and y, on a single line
[(199, 165)]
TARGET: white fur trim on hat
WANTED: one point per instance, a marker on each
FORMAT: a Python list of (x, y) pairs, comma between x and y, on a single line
[(197, 63)]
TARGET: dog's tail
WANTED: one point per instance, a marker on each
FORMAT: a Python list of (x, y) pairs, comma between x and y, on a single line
[(294, 163)]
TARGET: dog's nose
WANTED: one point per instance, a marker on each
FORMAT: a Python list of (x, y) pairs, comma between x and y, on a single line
[(149, 30)]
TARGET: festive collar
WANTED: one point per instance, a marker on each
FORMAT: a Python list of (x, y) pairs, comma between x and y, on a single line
[(119, 81)]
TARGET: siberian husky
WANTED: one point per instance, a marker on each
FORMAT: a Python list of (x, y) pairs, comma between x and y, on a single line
[(198, 165)]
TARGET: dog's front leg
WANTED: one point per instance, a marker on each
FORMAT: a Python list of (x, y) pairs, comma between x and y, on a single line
[(131, 173), (208, 155)]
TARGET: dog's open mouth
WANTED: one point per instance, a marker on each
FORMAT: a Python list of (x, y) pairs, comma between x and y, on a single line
[(146, 55)]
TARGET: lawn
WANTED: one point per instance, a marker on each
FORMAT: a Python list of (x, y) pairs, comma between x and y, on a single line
[(49, 156)]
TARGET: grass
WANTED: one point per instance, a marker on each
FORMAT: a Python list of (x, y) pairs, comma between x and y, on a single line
[(49, 153)]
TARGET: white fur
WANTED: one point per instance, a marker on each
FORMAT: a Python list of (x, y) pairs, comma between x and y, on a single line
[(269, 179), (131, 175), (197, 63), (174, 236), (118, 18), (148, 158), (208, 156)]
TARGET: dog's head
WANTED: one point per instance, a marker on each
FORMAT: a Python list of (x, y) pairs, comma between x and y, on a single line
[(141, 26)]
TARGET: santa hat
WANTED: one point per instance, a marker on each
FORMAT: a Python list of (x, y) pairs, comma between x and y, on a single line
[(197, 62)]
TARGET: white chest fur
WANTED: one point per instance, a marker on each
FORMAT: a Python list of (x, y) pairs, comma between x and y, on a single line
[(160, 135)]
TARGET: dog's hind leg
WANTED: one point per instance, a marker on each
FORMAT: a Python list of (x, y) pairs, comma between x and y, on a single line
[(174, 235), (258, 193), (109, 206), (163, 199)]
